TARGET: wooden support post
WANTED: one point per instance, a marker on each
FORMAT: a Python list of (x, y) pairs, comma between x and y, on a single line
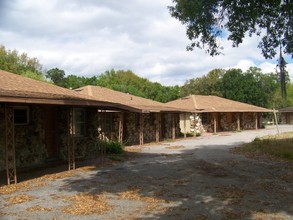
[(158, 127), (238, 121), (120, 132), (71, 142), (194, 125), (276, 121), (256, 121), (10, 145), (215, 122), (173, 127), (141, 125), (184, 124)]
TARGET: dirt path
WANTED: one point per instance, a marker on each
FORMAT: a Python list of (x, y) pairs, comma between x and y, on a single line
[(187, 179)]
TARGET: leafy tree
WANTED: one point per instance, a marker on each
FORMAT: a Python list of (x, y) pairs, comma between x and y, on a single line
[(34, 75), (251, 87), (128, 82), (290, 94), (12, 61), (57, 76), (206, 21), (205, 85)]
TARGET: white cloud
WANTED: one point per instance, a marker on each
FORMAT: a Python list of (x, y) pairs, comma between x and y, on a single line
[(89, 37)]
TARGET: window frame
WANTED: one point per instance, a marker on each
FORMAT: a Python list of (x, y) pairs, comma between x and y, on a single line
[(108, 122), (76, 123), (27, 117)]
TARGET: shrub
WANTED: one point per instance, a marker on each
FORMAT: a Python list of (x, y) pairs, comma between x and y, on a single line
[(113, 147)]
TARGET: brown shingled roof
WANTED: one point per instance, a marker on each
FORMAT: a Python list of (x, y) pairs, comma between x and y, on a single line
[(287, 109), (20, 89), (200, 103), (142, 104)]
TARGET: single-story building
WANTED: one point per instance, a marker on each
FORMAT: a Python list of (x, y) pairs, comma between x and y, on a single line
[(213, 114), (151, 122), (286, 115), (41, 122)]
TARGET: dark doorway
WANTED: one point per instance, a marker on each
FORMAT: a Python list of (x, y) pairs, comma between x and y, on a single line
[(51, 131)]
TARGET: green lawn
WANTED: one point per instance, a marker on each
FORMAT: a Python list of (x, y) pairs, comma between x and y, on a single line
[(278, 146)]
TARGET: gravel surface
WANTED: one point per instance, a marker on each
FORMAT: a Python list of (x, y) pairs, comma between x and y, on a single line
[(195, 178)]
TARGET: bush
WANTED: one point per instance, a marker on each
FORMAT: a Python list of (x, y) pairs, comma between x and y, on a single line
[(113, 147)]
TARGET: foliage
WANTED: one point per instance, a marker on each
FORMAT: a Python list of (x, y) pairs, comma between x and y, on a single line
[(279, 146), (113, 147), (290, 94), (74, 82), (12, 61), (206, 85), (123, 81), (206, 21), (34, 75), (128, 82), (252, 87), (57, 76)]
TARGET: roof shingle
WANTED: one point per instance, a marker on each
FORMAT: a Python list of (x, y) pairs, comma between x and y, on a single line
[(20, 89), (201, 103), (142, 104)]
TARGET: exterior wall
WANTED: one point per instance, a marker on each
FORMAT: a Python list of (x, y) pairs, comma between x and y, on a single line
[(167, 124), (30, 146), (30, 143), (2, 138), (132, 125), (286, 117), (227, 121), (31, 139), (86, 146)]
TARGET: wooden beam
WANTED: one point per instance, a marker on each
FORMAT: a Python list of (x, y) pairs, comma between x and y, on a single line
[(71, 142), (184, 124), (141, 125), (194, 125), (215, 122), (173, 127), (158, 126), (10, 145), (256, 121), (120, 132), (238, 121)]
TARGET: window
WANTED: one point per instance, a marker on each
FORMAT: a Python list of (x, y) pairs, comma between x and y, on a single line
[(108, 122), (204, 118), (79, 122), (21, 115)]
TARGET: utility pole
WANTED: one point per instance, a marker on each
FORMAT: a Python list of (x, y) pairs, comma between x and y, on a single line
[(282, 73)]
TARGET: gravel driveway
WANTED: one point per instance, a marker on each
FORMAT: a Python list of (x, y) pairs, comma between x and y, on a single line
[(196, 178)]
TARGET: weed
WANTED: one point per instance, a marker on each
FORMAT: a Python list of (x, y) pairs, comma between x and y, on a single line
[(280, 146)]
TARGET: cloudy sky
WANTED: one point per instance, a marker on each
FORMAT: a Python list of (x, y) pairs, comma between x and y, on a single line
[(88, 37)]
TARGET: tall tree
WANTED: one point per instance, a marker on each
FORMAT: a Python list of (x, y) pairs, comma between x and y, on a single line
[(57, 76), (205, 85), (251, 87), (12, 61), (208, 20)]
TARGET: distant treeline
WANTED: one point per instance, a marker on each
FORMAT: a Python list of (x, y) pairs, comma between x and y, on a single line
[(252, 86)]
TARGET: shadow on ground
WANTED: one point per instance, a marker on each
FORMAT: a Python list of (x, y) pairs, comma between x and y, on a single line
[(188, 186)]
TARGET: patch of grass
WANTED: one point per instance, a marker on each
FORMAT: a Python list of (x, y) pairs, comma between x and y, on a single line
[(279, 146)]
